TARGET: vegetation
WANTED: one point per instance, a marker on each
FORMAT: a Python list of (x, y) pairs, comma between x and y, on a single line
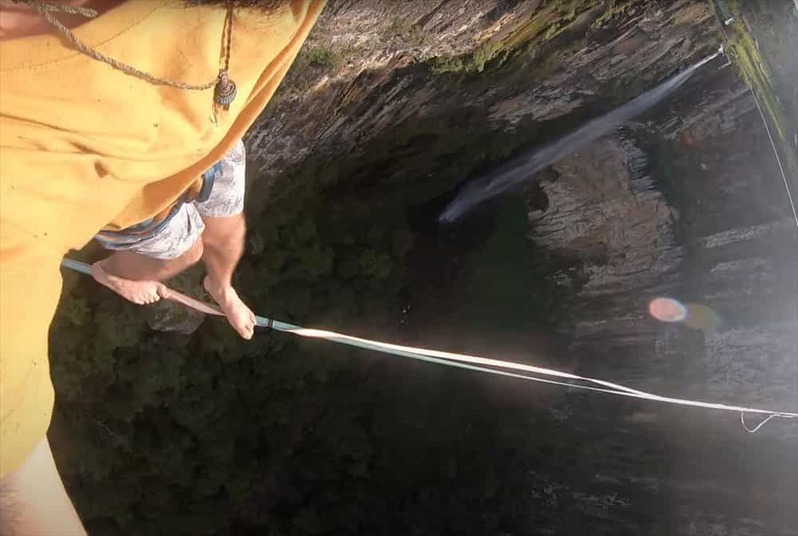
[(765, 26), (160, 433), (530, 36), (410, 33), (544, 36), (613, 9), (319, 57)]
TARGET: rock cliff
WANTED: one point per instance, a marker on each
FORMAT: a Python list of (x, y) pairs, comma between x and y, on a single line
[(686, 202)]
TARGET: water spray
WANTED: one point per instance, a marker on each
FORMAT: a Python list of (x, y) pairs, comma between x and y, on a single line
[(523, 168)]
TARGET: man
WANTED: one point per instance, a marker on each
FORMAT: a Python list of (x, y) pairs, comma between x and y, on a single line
[(115, 128), (209, 227)]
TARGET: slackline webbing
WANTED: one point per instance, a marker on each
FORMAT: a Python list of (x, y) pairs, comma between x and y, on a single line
[(472, 362)]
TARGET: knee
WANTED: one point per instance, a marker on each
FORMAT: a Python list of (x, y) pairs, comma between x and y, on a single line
[(224, 232)]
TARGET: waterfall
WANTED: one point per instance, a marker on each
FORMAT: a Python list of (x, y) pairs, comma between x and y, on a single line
[(524, 167)]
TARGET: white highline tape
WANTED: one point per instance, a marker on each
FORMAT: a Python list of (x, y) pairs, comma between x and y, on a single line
[(611, 388), (471, 362)]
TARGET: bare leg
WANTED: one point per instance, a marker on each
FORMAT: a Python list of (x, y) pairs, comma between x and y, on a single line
[(137, 278), (33, 499), (223, 241)]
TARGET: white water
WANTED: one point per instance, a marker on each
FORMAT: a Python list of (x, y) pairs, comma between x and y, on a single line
[(524, 167)]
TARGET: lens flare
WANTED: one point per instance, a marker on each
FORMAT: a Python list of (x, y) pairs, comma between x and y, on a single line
[(692, 315), (701, 317), (667, 310)]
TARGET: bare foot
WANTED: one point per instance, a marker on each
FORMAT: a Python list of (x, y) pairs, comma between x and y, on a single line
[(238, 314), (139, 292)]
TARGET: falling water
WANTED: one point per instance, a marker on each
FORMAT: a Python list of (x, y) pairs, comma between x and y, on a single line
[(523, 167)]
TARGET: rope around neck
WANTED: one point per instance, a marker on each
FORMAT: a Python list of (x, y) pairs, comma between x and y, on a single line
[(59, 8), (475, 363), (48, 11)]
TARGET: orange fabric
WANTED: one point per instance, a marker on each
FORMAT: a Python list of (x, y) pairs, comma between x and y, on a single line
[(83, 146)]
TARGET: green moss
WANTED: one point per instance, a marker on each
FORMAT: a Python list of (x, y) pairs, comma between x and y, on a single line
[(319, 57), (409, 32), (446, 64), (324, 57), (484, 54), (544, 25), (743, 50), (474, 62), (613, 9)]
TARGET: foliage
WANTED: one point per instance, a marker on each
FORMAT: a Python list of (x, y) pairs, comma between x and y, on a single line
[(320, 57), (613, 9), (160, 433), (407, 31), (771, 77), (447, 64), (529, 38)]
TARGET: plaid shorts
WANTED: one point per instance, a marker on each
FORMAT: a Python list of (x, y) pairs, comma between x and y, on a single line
[(222, 195)]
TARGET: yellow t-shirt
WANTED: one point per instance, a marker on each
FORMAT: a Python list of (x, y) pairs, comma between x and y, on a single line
[(83, 146)]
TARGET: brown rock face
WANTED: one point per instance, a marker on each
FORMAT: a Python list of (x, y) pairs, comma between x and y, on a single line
[(686, 202)]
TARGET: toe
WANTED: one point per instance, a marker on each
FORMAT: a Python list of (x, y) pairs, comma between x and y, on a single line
[(162, 291)]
